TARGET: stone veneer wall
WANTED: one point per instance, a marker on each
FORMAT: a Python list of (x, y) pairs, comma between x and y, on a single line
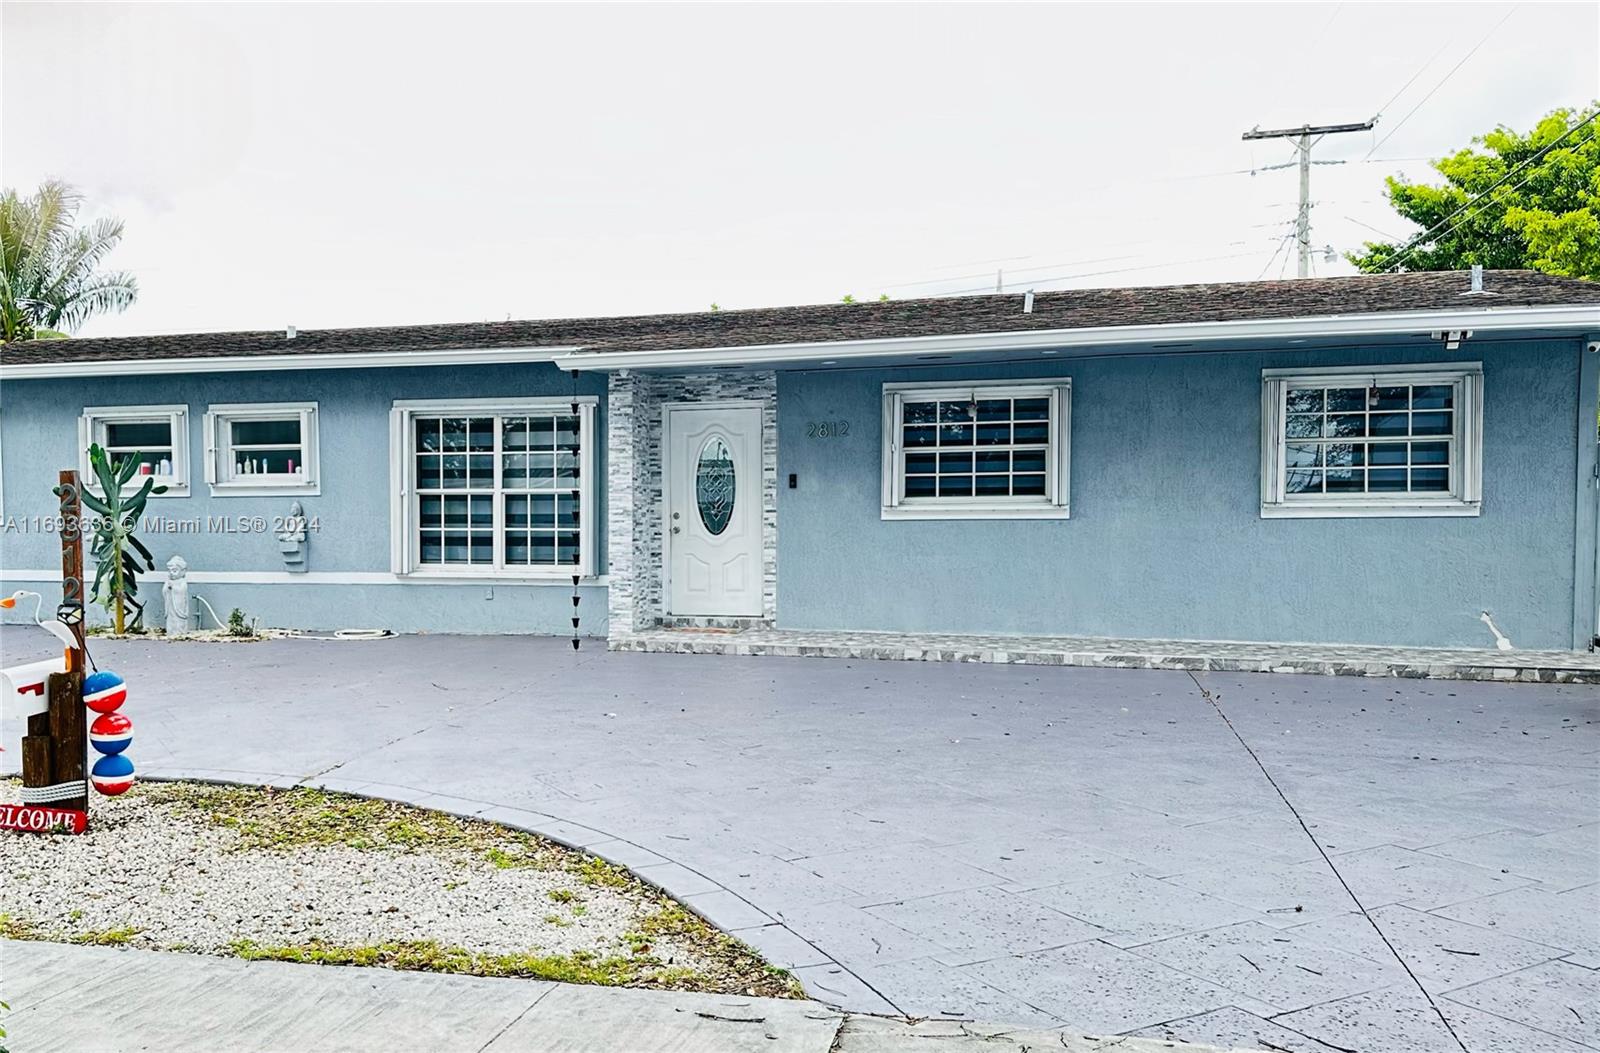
[(634, 487)]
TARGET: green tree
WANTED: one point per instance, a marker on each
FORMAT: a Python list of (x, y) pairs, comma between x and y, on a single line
[(1539, 209), (49, 277)]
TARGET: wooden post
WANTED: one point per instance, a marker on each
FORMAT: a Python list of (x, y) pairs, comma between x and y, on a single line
[(71, 609), (68, 733), (69, 740), (36, 768)]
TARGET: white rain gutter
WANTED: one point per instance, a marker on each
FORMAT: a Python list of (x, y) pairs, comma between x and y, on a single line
[(1583, 317), (475, 356)]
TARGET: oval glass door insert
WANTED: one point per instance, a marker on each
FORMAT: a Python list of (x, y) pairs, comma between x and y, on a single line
[(714, 484)]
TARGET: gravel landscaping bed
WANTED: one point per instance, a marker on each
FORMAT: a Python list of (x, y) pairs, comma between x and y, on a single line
[(301, 875)]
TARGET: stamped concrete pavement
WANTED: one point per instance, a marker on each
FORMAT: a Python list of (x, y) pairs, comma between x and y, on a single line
[(1036, 846)]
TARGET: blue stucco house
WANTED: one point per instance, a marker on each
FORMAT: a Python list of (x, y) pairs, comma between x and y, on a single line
[(1379, 459)]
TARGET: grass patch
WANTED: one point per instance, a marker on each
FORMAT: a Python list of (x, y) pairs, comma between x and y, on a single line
[(734, 962), (282, 820), (107, 937), (580, 967), (592, 870), (15, 928)]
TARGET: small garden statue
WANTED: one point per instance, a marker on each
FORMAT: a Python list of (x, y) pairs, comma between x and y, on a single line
[(175, 597), (292, 542)]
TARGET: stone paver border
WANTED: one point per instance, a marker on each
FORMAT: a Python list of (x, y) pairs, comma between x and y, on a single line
[(1218, 656)]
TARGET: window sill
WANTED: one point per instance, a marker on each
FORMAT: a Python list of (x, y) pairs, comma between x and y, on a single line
[(173, 490), (1372, 510), (310, 489), (975, 512), (500, 577)]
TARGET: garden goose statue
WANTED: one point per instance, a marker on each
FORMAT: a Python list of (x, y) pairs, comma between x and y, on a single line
[(60, 630)]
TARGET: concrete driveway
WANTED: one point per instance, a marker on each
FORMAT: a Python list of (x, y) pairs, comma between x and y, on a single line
[(1039, 846)]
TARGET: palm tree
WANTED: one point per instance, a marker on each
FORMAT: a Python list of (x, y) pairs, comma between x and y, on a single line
[(48, 280)]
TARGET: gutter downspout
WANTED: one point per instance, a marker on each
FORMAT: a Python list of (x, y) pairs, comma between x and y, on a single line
[(1586, 514)]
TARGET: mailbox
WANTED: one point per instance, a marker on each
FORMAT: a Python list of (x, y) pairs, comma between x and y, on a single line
[(22, 690)]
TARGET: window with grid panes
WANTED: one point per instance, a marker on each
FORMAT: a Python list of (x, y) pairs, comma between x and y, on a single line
[(498, 491), (980, 448), (1364, 440), (1380, 440)]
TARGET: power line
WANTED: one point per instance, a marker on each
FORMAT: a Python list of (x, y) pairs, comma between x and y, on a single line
[(1370, 227), (1492, 30), (1013, 272), (1118, 270), (1282, 242), (1420, 70), (1409, 247)]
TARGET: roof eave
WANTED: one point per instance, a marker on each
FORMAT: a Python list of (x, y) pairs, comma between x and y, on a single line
[(1576, 317), (302, 360)]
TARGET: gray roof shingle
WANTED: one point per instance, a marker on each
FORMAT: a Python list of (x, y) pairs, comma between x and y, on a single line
[(1071, 309)]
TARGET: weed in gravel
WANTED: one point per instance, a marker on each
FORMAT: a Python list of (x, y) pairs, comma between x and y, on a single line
[(15, 928), (639, 969), (288, 819), (579, 967), (592, 870), (732, 961), (107, 937), (562, 895)]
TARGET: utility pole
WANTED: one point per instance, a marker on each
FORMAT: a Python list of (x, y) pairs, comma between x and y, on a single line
[(1303, 143)]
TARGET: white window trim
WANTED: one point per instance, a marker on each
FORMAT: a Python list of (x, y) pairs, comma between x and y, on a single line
[(403, 540), (1053, 505), (90, 431), (1466, 499), (218, 456)]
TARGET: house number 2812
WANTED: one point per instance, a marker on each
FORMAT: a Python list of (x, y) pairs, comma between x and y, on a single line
[(827, 429)]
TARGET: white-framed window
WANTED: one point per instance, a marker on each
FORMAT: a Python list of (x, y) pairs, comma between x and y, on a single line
[(158, 435), (976, 450), (262, 449), (1372, 441), (494, 488)]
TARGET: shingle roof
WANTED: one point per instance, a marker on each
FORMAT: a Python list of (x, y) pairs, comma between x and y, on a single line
[(1072, 309)]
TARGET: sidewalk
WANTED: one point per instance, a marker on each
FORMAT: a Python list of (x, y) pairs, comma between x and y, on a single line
[(68, 999)]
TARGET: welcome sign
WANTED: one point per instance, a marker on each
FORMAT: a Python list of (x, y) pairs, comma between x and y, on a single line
[(42, 819)]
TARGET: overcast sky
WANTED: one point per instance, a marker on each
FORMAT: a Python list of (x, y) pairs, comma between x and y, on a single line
[(384, 163)]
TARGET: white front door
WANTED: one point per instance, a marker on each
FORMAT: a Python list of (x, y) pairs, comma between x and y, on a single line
[(712, 535)]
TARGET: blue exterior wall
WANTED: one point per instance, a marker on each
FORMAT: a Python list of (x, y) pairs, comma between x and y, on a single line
[(39, 436), (1166, 538)]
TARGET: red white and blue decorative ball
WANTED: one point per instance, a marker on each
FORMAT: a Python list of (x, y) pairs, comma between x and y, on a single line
[(110, 733), (104, 691), (112, 775)]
